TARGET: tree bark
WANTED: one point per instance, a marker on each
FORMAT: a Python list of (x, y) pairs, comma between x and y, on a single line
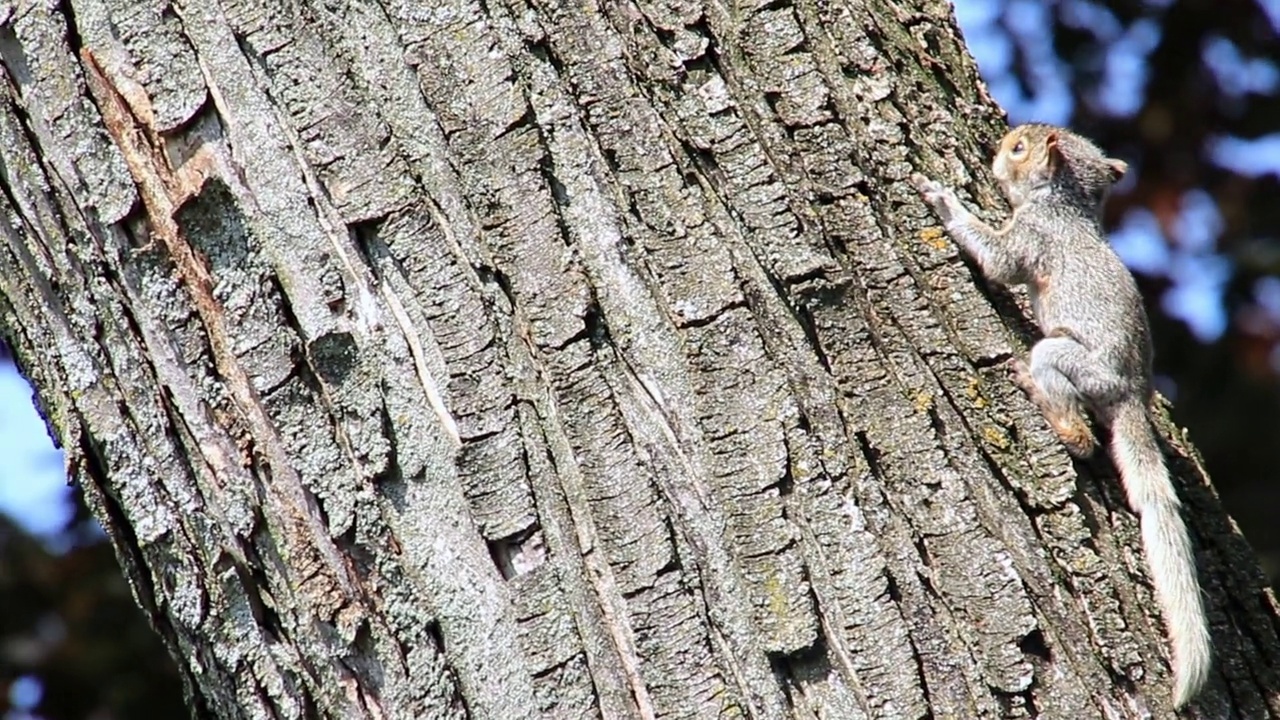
[(517, 359)]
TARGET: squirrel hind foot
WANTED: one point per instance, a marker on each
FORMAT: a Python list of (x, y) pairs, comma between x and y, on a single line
[(1020, 374), (1074, 432)]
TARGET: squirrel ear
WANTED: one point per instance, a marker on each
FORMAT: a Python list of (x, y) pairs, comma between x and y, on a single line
[(1118, 168), (1054, 155)]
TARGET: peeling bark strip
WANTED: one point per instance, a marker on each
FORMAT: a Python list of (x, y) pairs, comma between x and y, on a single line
[(539, 359)]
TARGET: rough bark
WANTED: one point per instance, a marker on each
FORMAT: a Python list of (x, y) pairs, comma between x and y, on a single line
[(503, 359)]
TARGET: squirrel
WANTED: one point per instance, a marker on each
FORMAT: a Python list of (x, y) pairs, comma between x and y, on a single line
[(1096, 352)]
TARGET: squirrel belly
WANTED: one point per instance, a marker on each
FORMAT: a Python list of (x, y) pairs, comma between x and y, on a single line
[(1096, 350)]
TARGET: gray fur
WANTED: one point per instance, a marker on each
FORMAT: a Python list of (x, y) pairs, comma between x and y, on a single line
[(1097, 351)]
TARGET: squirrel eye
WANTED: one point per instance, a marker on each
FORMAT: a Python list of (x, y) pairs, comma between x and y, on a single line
[(1019, 148)]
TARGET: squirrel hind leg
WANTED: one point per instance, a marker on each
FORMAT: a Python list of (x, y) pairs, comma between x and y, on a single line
[(1063, 412)]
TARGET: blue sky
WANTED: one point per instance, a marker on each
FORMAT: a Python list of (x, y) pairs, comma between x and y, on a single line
[(33, 491), (32, 485)]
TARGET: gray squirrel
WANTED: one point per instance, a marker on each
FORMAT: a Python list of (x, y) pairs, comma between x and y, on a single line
[(1096, 353)]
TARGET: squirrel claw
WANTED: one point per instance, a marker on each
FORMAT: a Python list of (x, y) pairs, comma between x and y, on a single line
[(1020, 373), (937, 196), (930, 189)]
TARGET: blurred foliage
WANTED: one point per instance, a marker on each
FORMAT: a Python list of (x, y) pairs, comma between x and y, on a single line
[(69, 623), (1185, 91)]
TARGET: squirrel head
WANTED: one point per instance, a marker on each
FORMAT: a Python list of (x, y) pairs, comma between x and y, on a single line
[(1038, 161)]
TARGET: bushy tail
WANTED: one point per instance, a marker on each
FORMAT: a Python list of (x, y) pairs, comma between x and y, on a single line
[(1168, 549)]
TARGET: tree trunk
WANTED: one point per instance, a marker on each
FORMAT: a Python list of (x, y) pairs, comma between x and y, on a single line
[(510, 360)]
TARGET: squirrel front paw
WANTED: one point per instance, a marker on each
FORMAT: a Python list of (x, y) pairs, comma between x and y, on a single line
[(939, 197), (931, 190)]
